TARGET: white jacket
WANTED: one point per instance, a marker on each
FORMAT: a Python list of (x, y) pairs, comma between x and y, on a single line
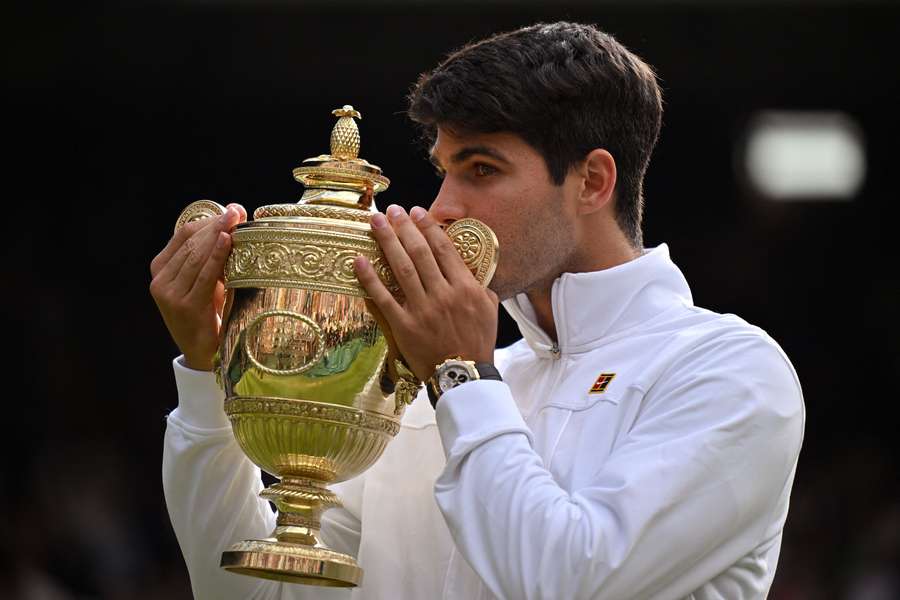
[(671, 483)]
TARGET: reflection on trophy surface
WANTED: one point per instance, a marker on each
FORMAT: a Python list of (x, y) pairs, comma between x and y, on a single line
[(313, 388)]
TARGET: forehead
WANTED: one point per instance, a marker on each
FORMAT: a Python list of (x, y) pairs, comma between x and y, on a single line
[(453, 144)]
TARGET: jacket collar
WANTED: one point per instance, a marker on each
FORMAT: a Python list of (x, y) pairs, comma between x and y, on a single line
[(590, 308)]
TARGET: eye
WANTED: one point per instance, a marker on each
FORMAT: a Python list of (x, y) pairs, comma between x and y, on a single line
[(484, 170)]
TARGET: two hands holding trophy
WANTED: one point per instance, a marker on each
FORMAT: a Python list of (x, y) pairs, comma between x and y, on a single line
[(321, 319)]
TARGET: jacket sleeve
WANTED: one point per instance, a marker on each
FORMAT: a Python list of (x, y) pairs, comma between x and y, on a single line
[(211, 491), (692, 488)]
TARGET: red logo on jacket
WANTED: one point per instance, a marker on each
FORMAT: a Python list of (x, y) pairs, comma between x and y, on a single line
[(602, 383)]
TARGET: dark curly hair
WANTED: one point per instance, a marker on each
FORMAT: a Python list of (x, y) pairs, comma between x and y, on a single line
[(566, 89)]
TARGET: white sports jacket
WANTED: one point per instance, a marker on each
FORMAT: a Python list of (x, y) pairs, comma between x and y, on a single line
[(650, 454)]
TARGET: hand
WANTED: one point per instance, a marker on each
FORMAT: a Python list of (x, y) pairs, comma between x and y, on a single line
[(188, 284), (447, 312)]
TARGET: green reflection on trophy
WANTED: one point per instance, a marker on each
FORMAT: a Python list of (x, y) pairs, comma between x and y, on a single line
[(313, 387)]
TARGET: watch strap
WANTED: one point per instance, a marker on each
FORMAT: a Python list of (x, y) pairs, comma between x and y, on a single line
[(487, 370)]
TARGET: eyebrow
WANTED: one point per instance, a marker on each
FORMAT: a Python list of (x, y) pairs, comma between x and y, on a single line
[(468, 152)]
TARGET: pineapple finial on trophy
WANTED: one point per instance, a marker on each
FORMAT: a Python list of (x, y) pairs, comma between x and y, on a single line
[(345, 135)]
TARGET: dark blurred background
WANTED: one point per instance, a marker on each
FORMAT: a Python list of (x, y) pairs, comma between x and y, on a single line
[(119, 114)]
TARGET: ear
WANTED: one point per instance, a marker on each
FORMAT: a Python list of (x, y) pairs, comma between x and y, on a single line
[(599, 172)]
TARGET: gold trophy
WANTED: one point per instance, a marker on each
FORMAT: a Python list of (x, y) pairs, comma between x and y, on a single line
[(314, 388)]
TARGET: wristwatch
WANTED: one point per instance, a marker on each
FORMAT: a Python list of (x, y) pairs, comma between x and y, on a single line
[(456, 371)]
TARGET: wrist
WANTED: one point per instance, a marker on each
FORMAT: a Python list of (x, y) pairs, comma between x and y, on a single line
[(454, 372), (197, 364)]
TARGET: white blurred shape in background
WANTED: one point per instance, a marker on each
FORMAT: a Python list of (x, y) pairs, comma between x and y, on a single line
[(809, 156)]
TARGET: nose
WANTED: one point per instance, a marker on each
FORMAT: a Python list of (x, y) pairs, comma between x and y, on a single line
[(447, 206)]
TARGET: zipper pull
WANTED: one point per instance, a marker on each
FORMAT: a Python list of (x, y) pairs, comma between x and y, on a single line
[(554, 349)]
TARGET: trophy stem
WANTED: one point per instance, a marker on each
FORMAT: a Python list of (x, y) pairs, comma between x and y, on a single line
[(295, 552), (300, 503)]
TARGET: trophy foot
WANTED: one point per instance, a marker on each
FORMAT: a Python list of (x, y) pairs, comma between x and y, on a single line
[(295, 553), (293, 563)]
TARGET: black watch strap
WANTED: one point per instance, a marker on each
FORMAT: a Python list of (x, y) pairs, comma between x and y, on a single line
[(485, 371)]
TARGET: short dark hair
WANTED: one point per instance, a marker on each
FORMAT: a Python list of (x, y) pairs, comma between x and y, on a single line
[(566, 89)]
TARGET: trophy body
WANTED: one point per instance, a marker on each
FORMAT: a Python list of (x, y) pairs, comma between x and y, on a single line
[(308, 387), (314, 389)]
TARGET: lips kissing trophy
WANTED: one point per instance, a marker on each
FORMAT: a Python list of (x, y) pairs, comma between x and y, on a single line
[(313, 387)]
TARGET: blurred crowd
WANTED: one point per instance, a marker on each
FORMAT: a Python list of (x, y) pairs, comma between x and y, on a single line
[(92, 527)]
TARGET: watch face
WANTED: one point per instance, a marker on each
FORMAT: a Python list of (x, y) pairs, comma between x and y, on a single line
[(452, 376)]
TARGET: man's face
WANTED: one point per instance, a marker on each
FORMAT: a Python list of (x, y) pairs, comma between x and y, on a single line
[(501, 180)]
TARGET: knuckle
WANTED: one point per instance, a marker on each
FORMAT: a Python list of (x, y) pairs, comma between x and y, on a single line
[(222, 250), (193, 254), (440, 240), (185, 233), (182, 304), (155, 265), (195, 226), (444, 248), (202, 278), (419, 251), (444, 303), (406, 270)]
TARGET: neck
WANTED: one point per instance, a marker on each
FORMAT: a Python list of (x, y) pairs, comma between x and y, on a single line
[(541, 297), (543, 309)]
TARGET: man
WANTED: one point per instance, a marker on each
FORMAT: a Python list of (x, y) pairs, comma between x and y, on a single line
[(636, 446)]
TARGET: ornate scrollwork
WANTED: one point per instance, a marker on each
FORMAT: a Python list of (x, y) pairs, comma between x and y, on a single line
[(478, 247), (312, 210), (238, 405), (306, 259)]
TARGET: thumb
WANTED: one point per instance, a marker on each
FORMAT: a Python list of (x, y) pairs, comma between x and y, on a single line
[(242, 212)]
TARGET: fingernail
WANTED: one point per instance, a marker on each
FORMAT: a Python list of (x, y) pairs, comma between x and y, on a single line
[(378, 220), (228, 215), (360, 262), (417, 213), (394, 211)]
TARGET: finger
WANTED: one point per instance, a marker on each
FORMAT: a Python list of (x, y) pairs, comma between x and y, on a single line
[(187, 262), (209, 275), (448, 259), (381, 296), (175, 243), (180, 246), (417, 248), (186, 232), (401, 264), (241, 211)]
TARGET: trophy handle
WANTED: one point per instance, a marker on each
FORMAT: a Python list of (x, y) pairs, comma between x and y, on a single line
[(299, 363), (195, 211), (478, 246), (201, 209)]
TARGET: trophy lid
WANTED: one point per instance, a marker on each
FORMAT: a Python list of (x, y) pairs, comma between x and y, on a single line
[(338, 185), (341, 178)]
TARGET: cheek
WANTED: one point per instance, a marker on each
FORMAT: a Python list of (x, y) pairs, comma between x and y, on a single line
[(536, 230)]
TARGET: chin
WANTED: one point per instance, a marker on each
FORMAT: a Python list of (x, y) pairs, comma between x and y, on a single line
[(503, 289)]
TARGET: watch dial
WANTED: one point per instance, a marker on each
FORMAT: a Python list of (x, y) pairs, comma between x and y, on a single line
[(453, 377)]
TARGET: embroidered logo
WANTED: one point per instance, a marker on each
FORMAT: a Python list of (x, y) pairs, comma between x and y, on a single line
[(602, 383)]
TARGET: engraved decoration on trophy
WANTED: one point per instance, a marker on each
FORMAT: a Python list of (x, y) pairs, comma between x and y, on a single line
[(313, 388)]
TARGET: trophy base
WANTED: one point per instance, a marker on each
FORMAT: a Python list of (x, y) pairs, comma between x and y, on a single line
[(292, 563)]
